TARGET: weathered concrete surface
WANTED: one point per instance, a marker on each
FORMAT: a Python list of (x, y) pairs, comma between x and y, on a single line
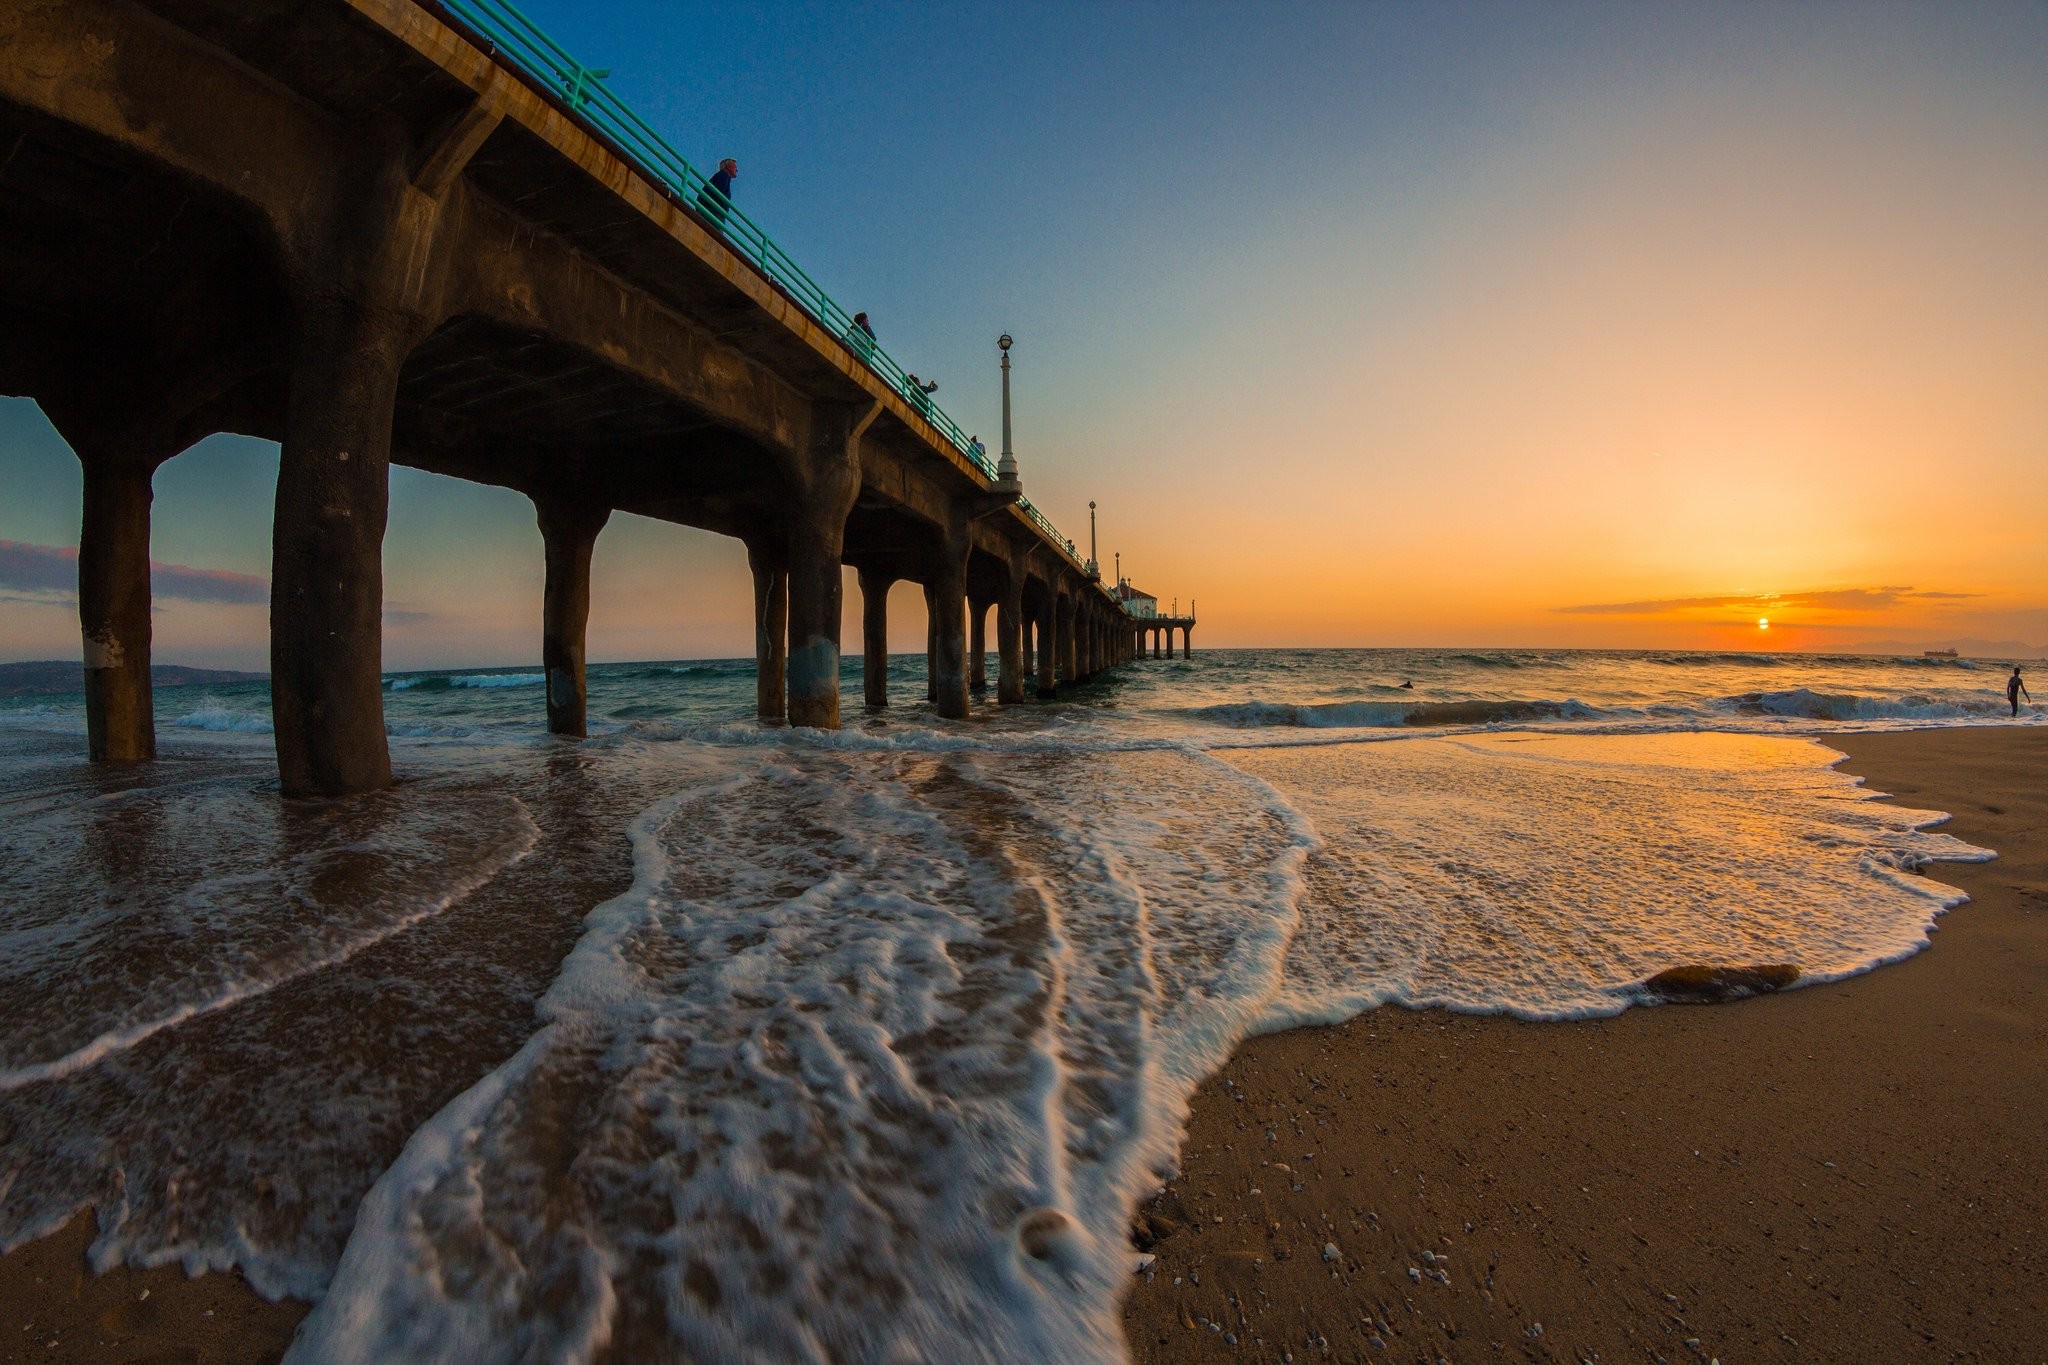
[(113, 611), (568, 532), (874, 614), (342, 225), (769, 561)]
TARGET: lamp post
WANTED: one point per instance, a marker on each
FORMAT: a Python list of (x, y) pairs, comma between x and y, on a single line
[(1094, 572), (1006, 467)]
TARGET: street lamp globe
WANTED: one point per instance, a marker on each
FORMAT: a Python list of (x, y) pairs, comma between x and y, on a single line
[(1003, 341)]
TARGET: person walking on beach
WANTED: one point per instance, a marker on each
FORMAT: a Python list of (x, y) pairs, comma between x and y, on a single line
[(716, 196), (2015, 689)]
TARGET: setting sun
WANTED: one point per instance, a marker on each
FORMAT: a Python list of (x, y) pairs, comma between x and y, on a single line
[(1763, 623)]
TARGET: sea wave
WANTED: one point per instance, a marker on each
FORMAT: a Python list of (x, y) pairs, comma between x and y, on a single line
[(224, 720), (437, 682), (1809, 705), (1381, 714)]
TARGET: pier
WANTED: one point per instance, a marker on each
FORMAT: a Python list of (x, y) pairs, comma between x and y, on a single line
[(381, 231)]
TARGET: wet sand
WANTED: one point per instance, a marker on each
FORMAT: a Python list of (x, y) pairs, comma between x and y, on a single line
[(1849, 1169)]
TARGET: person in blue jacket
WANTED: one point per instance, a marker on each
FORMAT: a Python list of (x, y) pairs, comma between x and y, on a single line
[(716, 196)]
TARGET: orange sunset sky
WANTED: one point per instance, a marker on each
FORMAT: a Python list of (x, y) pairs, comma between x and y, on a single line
[(1365, 325)]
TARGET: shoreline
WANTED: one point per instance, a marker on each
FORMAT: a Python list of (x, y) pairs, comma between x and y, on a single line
[(1847, 1170), (1822, 1166)]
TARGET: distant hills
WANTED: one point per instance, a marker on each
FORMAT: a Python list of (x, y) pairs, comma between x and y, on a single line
[(51, 677), (1974, 649)]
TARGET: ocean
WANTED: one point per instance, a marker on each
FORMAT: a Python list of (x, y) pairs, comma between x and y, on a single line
[(700, 1039)]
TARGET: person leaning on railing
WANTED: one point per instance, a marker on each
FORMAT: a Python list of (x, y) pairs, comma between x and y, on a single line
[(715, 198), (920, 392)]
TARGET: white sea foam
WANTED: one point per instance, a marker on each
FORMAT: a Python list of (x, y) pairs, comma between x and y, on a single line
[(867, 1013), (894, 1024), (220, 921)]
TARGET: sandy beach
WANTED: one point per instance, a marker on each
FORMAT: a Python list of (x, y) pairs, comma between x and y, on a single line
[(1852, 1171), (1847, 1170)]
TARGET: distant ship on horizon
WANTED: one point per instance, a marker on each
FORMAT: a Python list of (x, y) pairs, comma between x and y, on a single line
[(1938, 654)]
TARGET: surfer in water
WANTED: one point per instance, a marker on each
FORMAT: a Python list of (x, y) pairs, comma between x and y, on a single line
[(2015, 689)]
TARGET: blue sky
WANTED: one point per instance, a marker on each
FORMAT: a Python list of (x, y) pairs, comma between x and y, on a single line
[(1365, 323)]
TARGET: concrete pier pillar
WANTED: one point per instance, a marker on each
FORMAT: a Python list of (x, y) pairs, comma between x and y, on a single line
[(568, 533), (1068, 651), (1154, 633), (113, 610), (949, 634), (769, 562), (1045, 654), (1187, 642), (327, 571), (817, 537), (931, 646), (874, 629), (1010, 642), (1169, 642), (977, 645)]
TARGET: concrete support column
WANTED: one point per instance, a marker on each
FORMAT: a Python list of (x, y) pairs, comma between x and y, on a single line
[(113, 610), (1154, 633), (1187, 642), (1169, 642), (931, 646), (817, 537), (948, 589), (568, 533), (1010, 642), (977, 645), (327, 571), (874, 629), (1044, 652), (770, 564), (1065, 626)]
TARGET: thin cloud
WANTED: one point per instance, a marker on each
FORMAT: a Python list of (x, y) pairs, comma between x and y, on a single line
[(1824, 599), (51, 572)]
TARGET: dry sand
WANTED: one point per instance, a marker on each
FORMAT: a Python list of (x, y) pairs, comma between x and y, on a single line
[(1849, 1171)]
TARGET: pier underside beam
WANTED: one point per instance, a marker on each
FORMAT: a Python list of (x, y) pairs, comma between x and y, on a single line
[(568, 532)]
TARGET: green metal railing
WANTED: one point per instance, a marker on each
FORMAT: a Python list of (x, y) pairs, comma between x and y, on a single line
[(512, 37)]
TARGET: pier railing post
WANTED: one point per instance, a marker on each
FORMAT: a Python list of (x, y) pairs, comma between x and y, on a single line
[(769, 562), (568, 532), (114, 609), (874, 622)]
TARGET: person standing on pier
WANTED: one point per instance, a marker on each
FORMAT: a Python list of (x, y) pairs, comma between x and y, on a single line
[(716, 196), (920, 392), (861, 336)]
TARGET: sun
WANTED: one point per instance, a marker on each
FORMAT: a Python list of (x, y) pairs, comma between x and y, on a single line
[(1763, 623)]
